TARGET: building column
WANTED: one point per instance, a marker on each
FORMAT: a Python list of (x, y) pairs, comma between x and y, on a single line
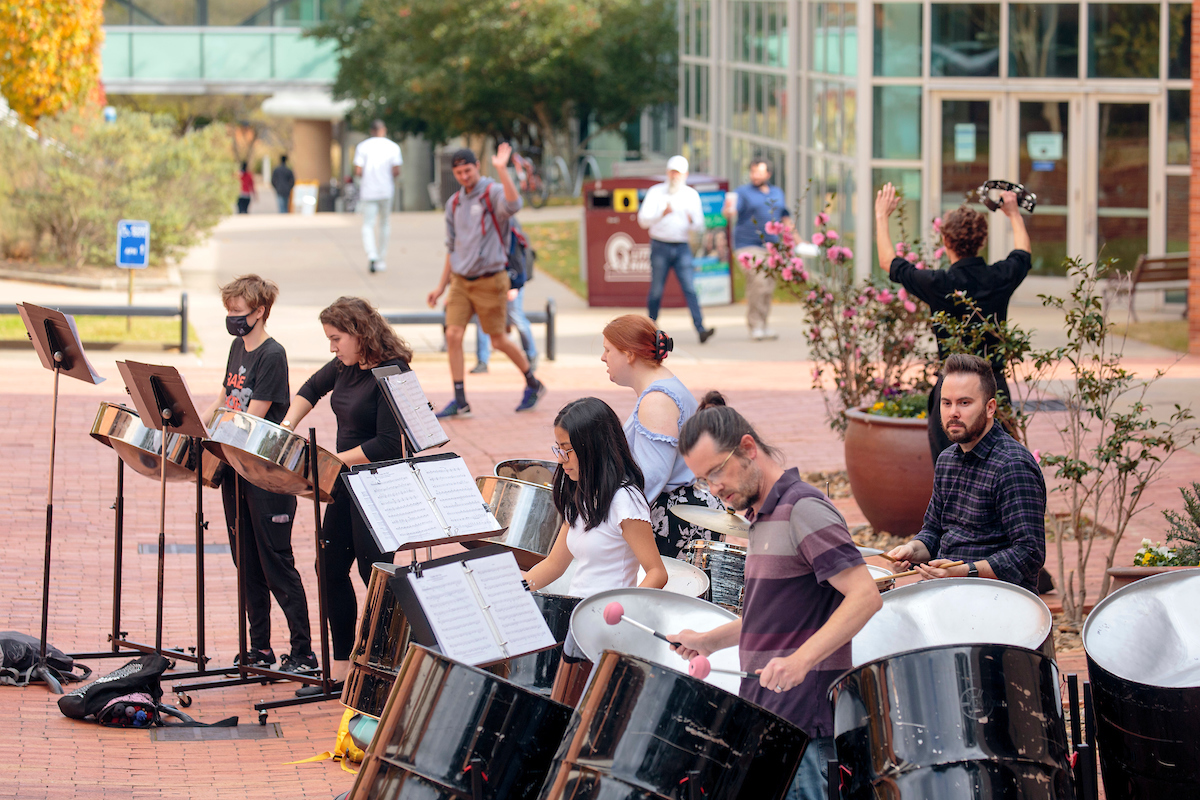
[(312, 140), (1194, 196)]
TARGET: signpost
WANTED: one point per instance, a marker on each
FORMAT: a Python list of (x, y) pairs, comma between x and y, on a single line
[(133, 251)]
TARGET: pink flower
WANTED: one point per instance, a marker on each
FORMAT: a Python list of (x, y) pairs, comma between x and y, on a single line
[(818, 239), (910, 306), (937, 254), (909, 339), (804, 275), (848, 313), (937, 224), (885, 296), (902, 294), (1037, 456), (920, 265), (773, 228), (828, 297), (847, 252), (816, 374), (786, 274), (812, 296), (820, 219), (911, 256), (870, 324), (831, 235), (901, 248), (747, 261), (861, 300), (815, 335)]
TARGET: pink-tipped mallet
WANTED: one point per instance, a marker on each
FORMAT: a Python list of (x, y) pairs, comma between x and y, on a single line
[(699, 668), (614, 612)]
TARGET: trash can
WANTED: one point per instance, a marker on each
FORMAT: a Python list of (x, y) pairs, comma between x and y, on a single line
[(617, 249)]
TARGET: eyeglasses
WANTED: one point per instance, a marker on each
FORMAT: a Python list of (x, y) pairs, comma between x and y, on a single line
[(715, 475), (561, 453)]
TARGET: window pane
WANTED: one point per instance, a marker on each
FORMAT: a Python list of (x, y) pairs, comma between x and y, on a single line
[(1123, 181), (908, 184), (850, 200), (1177, 213), (1043, 40), (759, 28), (818, 40), (696, 149), (820, 103), (964, 40), (966, 132), (897, 126), (849, 39), (1044, 169), (833, 38), (1178, 126), (833, 117), (851, 110), (1122, 40), (898, 40), (1179, 41)]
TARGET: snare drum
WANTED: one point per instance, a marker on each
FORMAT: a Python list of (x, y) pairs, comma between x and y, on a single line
[(725, 565), (383, 638)]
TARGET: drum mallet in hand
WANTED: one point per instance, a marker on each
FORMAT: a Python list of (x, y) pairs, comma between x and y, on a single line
[(895, 575), (614, 612), (699, 668)]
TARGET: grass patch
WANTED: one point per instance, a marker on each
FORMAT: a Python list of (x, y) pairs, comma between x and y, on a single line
[(1171, 334), (557, 245), (154, 331)]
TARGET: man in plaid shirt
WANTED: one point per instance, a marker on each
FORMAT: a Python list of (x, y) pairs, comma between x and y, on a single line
[(989, 497)]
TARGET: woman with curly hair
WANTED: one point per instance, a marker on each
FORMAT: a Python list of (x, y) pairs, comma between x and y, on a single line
[(360, 340)]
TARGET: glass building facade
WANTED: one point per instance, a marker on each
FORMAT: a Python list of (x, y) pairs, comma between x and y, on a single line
[(1086, 104)]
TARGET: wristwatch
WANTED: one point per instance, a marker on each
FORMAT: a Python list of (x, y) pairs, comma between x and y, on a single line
[(972, 570)]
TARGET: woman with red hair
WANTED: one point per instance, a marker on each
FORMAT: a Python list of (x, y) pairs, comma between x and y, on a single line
[(634, 350)]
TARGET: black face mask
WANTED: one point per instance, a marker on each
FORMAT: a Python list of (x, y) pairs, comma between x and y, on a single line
[(238, 326)]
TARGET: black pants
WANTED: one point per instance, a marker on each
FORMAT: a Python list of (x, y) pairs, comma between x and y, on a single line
[(243, 205), (938, 440), (270, 567), (346, 539)]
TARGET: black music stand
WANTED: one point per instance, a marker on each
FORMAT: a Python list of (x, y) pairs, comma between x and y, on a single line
[(56, 340), (164, 403)]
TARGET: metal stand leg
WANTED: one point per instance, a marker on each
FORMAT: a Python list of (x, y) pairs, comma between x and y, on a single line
[(43, 670)]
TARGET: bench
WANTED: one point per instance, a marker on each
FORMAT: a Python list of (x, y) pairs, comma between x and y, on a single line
[(546, 318), (1169, 268), (180, 311)]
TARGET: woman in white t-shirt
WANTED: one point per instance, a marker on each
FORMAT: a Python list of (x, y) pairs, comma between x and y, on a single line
[(598, 491)]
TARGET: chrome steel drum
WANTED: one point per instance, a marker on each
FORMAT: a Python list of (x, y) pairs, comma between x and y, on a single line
[(446, 720), (530, 470), (664, 612), (270, 456), (660, 730), (682, 578), (881, 572), (960, 722), (1143, 653), (140, 447), (536, 671), (725, 565), (954, 611), (527, 510), (383, 639)]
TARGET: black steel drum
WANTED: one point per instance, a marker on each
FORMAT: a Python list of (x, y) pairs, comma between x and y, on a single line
[(660, 730), (1143, 653), (383, 639), (958, 722), (574, 782), (446, 720), (536, 671), (396, 783)]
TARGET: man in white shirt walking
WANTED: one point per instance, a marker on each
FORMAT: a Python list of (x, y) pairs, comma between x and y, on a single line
[(377, 164), (671, 211)]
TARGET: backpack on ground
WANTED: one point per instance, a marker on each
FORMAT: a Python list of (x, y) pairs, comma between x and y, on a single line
[(130, 697), (19, 655)]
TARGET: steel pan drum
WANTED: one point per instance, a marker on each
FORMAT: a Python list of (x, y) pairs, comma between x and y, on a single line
[(664, 612), (573, 782), (445, 720), (725, 565), (960, 722), (536, 671), (1143, 652), (140, 447), (383, 639), (660, 730), (530, 470), (954, 611), (682, 578), (527, 510), (881, 572), (270, 456)]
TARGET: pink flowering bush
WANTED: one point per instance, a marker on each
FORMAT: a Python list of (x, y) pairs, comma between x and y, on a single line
[(869, 341)]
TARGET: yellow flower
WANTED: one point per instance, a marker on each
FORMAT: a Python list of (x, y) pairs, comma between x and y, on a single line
[(921, 415), (877, 406)]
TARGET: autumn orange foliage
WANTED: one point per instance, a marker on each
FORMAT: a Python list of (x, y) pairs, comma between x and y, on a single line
[(49, 54)]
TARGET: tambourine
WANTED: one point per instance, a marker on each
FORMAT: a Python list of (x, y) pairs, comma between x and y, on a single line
[(1025, 198)]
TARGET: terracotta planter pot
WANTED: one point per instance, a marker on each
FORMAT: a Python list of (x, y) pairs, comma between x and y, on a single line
[(1123, 576), (890, 470)]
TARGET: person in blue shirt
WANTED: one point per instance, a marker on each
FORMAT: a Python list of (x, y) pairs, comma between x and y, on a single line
[(753, 205)]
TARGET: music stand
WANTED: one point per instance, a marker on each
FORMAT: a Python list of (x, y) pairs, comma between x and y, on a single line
[(56, 340), (164, 403)]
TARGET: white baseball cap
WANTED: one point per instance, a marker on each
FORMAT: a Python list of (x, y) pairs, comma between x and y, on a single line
[(678, 164)]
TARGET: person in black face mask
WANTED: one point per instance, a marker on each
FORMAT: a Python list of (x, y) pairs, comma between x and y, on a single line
[(256, 382)]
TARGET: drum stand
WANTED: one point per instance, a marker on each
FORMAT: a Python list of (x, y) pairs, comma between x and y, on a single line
[(1083, 740), (250, 674)]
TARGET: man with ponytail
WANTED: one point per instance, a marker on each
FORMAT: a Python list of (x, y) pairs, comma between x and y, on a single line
[(807, 589)]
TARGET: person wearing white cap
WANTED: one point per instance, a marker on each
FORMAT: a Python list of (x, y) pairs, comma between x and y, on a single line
[(671, 211)]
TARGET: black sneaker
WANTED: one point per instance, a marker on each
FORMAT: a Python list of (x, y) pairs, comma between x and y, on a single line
[(294, 663), (256, 658), (706, 334), (531, 396), (453, 409), (314, 689)]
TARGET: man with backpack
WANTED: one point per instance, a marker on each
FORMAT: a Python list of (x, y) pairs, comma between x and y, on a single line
[(478, 239), (520, 270)]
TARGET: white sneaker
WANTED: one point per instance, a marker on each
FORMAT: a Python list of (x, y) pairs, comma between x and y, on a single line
[(380, 266), (766, 334), (757, 334)]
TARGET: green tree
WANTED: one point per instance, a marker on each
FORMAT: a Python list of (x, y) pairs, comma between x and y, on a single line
[(516, 69)]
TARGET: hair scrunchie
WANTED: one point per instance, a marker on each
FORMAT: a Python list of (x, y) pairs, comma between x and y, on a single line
[(663, 344)]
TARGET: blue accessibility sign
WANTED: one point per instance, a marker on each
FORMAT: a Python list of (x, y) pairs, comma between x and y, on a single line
[(133, 243)]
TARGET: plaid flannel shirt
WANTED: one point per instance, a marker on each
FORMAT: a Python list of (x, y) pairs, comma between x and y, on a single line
[(989, 504)]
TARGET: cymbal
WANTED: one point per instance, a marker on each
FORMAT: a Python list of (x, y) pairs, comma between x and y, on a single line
[(713, 519)]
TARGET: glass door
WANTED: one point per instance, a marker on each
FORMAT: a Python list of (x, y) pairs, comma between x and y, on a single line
[(1044, 167), (1121, 140), (964, 157)]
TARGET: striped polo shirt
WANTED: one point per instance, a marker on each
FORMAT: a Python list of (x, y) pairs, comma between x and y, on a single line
[(798, 541)]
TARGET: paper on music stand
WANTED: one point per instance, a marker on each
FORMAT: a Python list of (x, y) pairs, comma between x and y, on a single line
[(75, 360), (408, 400), (502, 622), (451, 484)]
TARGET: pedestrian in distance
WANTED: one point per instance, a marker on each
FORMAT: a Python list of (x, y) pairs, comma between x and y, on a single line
[(246, 190), (751, 207), (478, 234), (283, 180), (377, 163), (672, 211)]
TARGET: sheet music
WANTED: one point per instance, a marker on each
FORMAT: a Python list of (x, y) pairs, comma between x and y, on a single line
[(456, 495), (417, 416), (450, 605), (522, 627), (385, 537), (401, 503)]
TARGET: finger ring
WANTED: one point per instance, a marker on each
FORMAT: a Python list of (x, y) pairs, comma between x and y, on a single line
[(778, 688)]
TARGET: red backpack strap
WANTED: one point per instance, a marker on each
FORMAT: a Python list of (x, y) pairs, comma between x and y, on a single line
[(487, 197)]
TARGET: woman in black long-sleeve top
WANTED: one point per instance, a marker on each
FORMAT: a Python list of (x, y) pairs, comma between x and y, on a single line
[(360, 340)]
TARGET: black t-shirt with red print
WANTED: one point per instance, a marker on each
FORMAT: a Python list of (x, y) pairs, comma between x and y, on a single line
[(261, 374)]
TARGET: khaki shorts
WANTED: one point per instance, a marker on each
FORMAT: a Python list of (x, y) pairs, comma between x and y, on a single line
[(485, 297)]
